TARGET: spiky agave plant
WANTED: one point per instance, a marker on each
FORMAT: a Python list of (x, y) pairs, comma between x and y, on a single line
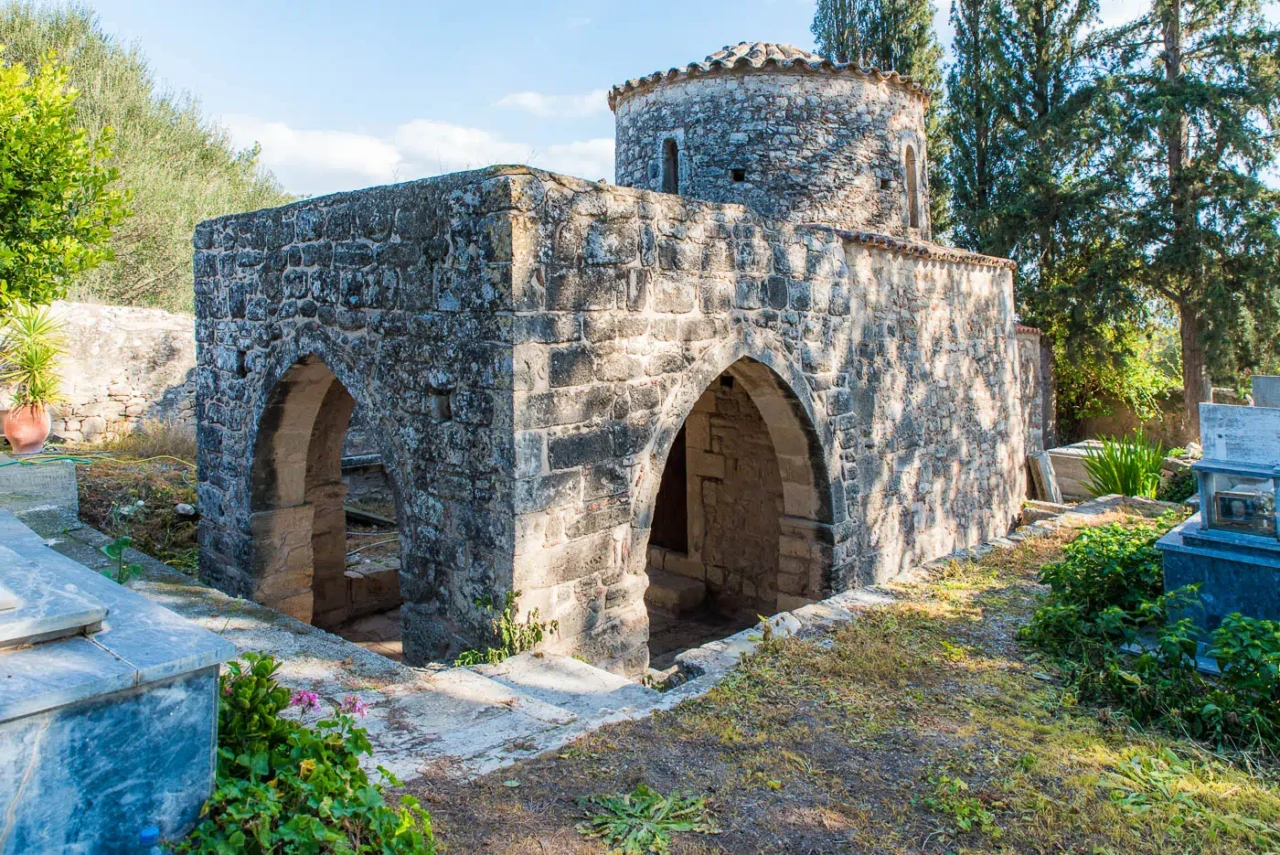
[(1128, 465)]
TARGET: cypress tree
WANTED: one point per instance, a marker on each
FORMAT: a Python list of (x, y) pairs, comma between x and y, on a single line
[(1196, 89)]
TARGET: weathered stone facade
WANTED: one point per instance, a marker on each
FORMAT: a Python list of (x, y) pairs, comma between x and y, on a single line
[(784, 132), (527, 347)]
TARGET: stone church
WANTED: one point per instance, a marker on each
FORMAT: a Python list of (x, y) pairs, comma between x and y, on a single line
[(739, 380)]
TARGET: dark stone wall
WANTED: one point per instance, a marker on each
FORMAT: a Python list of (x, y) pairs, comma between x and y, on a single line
[(526, 347), (404, 293), (887, 370)]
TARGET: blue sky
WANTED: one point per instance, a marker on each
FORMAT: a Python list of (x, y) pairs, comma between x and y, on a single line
[(344, 95)]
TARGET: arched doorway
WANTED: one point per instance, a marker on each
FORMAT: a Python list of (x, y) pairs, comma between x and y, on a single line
[(315, 557), (741, 523)]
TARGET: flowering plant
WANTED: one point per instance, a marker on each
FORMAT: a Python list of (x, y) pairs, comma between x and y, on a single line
[(282, 781)]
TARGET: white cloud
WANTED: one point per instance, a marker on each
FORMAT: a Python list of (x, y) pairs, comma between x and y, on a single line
[(557, 106), (315, 162)]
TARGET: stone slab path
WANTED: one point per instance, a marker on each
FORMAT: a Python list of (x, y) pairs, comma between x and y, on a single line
[(464, 721)]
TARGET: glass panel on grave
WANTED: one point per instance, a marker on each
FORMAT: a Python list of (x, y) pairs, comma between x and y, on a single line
[(1241, 504)]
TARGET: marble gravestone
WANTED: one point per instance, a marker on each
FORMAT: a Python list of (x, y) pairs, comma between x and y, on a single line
[(1266, 390), (108, 707), (1230, 549)]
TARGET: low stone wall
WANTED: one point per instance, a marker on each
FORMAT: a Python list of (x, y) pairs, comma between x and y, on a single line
[(123, 366)]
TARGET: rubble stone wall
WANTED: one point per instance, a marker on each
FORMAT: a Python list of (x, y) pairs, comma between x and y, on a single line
[(1032, 357), (403, 292), (887, 373), (828, 149), (123, 366)]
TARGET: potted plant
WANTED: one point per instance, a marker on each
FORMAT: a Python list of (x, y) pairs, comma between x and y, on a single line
[(30, 344)]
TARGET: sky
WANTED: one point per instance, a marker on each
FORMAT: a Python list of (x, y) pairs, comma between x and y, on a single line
[(343, 95)]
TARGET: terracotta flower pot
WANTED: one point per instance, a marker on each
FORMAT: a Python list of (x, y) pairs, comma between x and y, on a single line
[(27, 428)]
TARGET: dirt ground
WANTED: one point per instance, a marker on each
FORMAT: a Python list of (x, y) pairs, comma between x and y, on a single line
[(894, 734)]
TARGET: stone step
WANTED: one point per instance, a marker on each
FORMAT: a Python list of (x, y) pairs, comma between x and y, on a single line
[(675, 594)]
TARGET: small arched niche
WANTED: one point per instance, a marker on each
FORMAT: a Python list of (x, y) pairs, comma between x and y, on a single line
[(670, 165), (314, 556)]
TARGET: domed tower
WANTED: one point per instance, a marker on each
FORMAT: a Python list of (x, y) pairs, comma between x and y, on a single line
[(784, 132)]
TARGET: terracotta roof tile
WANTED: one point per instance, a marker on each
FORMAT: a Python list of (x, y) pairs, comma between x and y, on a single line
[(756, 56), (921, 249)]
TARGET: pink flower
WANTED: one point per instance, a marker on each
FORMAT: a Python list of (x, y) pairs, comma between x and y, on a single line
[(306, 700), (353, 704)]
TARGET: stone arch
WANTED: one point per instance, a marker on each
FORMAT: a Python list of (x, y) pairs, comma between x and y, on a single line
[(297, 521), (806, 485), (791, 406)]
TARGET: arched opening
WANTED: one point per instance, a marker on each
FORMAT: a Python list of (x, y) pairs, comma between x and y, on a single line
[(740, 527), (913, 189), (670, 166), (325, 537)]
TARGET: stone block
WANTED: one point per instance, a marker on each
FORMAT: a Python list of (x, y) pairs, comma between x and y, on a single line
[(674, 594)]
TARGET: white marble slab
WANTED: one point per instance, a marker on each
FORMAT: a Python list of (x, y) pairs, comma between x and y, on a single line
[(46, 605), (137, 642)]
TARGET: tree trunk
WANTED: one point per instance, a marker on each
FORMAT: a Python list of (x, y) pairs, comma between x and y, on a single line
[(1196, 388)]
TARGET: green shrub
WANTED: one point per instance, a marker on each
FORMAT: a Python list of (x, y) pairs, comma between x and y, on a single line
[(1106, 571), (1108, 592), (1129, 466), (285, 787), (1178, 487)]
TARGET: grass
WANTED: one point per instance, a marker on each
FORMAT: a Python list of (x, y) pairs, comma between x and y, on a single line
[(155, 439), (924, 727), (133, 487)]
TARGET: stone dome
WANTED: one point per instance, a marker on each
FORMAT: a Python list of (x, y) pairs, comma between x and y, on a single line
[(783, 131)]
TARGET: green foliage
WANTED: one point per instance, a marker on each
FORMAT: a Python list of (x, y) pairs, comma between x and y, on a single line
[(513, 635), (56, 205), (179, 167), (114, 550), (1118, 366), (31, 343), (1107, 592), (1190, 103), (1178, 487), (284, 787), (1179, 793), (1128, 467), (644, 820), (951, 798), (1110, 566)]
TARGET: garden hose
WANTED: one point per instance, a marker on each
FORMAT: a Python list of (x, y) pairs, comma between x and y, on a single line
[(45, 458)]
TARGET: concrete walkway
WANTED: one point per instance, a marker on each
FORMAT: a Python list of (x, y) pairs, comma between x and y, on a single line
[(462, 721)]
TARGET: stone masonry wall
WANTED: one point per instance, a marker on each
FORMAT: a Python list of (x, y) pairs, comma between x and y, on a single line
[(887, 372), (825, 148), (736, 488), (1031, 379), (528, 346), (402, 292), (123, 366)]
